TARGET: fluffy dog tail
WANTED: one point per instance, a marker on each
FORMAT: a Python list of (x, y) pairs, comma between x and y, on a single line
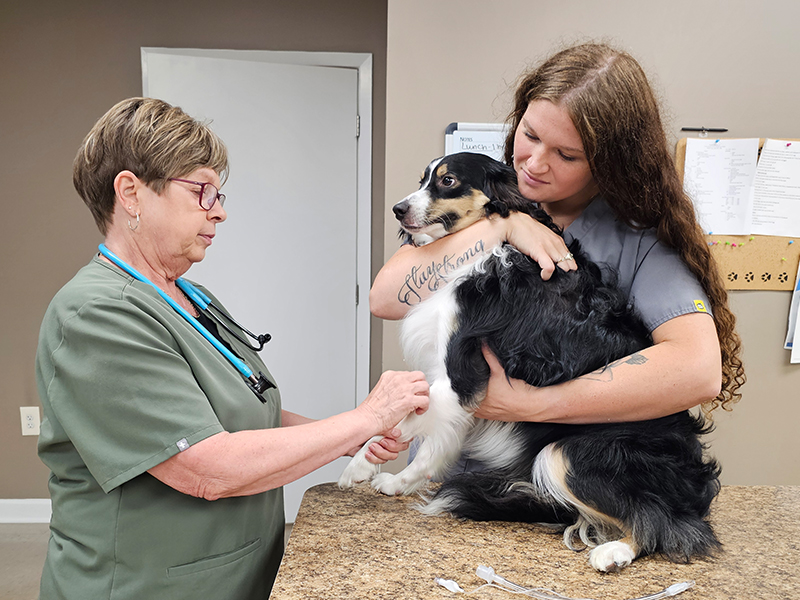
[(485, 496)]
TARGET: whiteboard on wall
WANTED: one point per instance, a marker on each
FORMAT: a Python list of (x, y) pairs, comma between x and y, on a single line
[(481, 138)]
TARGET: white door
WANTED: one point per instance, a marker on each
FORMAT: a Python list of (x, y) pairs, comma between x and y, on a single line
[(287, 261)]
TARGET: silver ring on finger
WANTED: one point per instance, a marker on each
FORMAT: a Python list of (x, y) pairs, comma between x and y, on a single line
[(567, 256)]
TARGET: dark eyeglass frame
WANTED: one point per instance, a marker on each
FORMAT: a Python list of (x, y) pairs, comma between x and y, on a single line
[(218, 196)]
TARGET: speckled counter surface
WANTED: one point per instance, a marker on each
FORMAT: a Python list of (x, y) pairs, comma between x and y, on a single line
[(358, 544)]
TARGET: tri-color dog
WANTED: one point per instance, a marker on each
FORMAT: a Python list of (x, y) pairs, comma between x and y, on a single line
[(627, 489)]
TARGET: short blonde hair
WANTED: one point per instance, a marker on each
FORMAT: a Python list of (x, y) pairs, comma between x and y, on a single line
[(152, 139)]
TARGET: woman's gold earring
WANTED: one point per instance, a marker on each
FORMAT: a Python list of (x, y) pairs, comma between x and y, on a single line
[(137, 223)]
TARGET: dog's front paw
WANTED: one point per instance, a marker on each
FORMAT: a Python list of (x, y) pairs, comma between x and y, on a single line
[(395, 485), (612, 556), (359, 469)]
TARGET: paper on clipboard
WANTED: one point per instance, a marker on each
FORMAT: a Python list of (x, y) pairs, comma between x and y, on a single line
[(718, 176), (737, 192), (776, 190)]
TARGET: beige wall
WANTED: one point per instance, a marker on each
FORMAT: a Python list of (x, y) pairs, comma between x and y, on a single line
[(715, 63), (63, 65)]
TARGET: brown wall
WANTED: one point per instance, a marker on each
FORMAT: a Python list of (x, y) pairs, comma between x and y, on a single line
[(63, 65)]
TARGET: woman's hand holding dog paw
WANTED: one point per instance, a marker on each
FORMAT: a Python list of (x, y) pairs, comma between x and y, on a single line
[(397, 394), (386, 449), (383, 450)]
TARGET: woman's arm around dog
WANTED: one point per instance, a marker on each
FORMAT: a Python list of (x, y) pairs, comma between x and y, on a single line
[(414, 273), (679, 371)]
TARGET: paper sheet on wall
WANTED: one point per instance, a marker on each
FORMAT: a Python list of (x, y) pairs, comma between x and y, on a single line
[(776, 190), (718, 176), (793, 331)]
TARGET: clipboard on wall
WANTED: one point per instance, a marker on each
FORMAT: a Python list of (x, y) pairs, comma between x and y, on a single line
[(751, 262)]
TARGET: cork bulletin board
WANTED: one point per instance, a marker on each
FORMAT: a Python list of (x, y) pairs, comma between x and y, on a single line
[(751, 262)]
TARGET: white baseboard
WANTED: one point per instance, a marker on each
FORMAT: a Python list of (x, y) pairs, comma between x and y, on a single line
[(30, 510)]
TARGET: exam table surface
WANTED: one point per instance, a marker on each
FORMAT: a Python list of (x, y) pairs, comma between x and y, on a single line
[(359, 544)]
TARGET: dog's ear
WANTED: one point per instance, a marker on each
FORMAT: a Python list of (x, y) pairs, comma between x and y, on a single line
[(501, 188), (504, 195)]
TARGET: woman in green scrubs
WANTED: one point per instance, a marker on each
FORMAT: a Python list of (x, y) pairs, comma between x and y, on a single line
[(166, 467)]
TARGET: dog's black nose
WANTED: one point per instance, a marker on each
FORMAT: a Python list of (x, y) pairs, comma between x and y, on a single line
[(400, 209)]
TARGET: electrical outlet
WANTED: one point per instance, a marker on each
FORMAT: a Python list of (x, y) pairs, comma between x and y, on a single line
[(30, 419)]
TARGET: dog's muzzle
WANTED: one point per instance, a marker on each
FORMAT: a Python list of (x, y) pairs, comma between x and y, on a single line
[(400, 209)]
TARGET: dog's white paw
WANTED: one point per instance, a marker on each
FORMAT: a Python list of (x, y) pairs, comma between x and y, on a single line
[(395, 485), (359, 469), (611, 556)]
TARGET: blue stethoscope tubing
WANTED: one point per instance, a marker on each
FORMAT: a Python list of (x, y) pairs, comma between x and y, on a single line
[(257, 384)]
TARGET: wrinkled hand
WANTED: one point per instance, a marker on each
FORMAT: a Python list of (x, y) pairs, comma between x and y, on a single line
[(537, 241), (396, 394), (503, 394), (382, 451)]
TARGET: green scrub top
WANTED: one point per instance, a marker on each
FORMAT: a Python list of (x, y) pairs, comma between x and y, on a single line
[(126, 383)]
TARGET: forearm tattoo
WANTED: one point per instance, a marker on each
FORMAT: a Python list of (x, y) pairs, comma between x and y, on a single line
[(434, 275), (606, 374)]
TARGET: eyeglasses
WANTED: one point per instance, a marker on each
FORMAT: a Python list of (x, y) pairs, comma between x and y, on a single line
[(209, 194)]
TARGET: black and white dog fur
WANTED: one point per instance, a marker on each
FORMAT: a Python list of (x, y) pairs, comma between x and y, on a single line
[(627, 489)]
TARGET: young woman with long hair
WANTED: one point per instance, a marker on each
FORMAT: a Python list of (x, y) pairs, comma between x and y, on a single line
[(587, 143)]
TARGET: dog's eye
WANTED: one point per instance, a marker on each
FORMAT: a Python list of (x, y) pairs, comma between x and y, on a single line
[(448, 181)]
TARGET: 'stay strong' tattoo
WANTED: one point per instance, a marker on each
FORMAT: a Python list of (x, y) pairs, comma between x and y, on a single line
[(434, 275)]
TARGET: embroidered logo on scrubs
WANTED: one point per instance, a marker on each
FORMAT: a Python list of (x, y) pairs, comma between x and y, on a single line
[(700, 306), (182, 445)]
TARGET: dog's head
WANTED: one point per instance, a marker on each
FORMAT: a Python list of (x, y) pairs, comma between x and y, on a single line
[(456, 191)]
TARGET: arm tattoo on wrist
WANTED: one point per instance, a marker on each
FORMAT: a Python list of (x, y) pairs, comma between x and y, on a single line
[(434, 275), (606, 374)]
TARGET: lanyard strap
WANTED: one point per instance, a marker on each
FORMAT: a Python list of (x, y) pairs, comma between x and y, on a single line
[(232, 358)]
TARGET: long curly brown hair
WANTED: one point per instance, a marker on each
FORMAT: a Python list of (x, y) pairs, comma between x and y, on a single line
[(613, 107)]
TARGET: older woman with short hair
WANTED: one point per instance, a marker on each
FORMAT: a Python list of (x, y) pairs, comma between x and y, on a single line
[(167, 459)]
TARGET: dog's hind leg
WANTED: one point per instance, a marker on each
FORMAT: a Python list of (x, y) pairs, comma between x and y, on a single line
[(447, 423), (649, 479)]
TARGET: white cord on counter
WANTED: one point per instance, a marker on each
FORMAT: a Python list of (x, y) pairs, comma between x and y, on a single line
[(494, 580)]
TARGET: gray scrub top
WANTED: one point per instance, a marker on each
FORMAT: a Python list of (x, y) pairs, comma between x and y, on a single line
[(657, 282), (126, 383)]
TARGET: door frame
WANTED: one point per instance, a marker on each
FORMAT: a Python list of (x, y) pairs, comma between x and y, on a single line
[(362, 62)]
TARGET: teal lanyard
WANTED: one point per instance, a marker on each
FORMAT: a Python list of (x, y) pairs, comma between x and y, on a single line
[(257, 384)]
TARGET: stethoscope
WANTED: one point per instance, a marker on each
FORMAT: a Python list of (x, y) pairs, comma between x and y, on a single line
[(259, 384)]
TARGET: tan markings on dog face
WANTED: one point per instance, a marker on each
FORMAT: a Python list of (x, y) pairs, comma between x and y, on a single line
[(441, 171), (468, 209)]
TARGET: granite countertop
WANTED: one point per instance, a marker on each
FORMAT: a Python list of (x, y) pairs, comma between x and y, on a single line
[(358, 544)]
